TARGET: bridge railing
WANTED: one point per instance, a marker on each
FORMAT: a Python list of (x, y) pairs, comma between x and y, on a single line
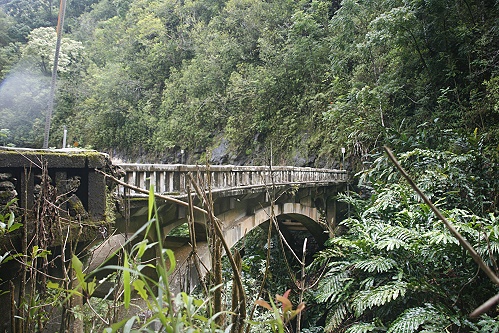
[(173, 178)]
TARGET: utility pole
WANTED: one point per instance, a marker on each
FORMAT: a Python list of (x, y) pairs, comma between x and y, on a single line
[(343, 150), (50, 108)]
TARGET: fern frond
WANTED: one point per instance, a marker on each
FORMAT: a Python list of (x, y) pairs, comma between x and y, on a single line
[(390, 243), (389, 237), (335, 317), (440, 236), (377, 264), (367, 299), (351, 243), (325, 255), (368, 282), (402, 233), (361, 328), (490, 248), (332, 286), (391, 198), (488, 325), (411, 319)]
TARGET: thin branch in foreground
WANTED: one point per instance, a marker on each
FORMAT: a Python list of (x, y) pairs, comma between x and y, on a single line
[(464, 243), (219, 233), (157, 195)]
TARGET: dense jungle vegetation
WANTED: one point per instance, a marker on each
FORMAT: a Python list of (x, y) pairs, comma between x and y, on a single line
[(235, 77), (226, 80)]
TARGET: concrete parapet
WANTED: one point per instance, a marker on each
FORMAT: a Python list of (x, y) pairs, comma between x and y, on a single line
[(65, 180)]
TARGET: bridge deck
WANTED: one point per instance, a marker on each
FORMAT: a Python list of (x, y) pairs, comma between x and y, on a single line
[(173, 178)]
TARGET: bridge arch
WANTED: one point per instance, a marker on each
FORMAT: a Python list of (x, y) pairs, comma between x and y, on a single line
[(243, 199), (185, 276), (306, 215)]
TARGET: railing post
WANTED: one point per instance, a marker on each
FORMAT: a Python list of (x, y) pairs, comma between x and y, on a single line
[(161, 182), (175, 186), (183, 179), (173, 178)]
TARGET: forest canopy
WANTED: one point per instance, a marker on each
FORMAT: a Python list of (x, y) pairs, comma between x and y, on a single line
[(151, 77)]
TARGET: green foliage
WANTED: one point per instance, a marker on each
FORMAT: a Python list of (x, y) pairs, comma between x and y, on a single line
[(8, 219), (397, 268), (77, 266), (377, 296), (41, 48), (411, 319), (4, 135), (391, 70), (30, 14), (488, 324), (180, 231), (8, 224), (306, 77), (362, 328)]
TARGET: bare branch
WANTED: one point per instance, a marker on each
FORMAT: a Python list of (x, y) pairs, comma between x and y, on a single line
[(464, 243)]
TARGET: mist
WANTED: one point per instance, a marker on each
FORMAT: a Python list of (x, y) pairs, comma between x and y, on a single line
[(24, 96)]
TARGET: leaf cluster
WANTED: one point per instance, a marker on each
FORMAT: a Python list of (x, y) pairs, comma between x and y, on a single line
[(397, 268)]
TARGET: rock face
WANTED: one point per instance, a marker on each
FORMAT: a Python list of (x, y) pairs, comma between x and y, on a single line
[(7, 188), (220, 155)]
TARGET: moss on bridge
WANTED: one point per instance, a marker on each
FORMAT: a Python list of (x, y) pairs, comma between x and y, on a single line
[(53, 189)]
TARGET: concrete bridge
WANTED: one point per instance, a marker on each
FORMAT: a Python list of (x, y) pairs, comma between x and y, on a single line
[(244, 197), (72, 186), (240, 193), (61, 197)]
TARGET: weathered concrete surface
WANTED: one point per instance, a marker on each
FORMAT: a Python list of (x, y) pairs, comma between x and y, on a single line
[(174, 178), (55, 158), (61, 204), (66, 179)]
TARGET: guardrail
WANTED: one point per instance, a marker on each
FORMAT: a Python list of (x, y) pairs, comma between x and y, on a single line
[(173, 178)]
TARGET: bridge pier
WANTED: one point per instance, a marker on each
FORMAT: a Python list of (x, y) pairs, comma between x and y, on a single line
[(61, 204)]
